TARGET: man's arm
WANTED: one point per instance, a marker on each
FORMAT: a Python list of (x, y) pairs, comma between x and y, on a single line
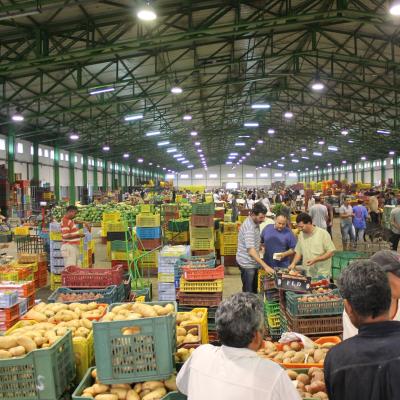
[(288, 253), (296, 259), (324, 257), (252, 252)]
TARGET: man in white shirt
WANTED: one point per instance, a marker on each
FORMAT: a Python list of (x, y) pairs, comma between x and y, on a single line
[(319, 214), (234, 371), (216, 196)]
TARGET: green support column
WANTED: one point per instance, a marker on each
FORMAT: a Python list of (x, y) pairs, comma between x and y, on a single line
[(71, 167), (126, 172), (383, 174), (105, 175), (396, 172), (363, 172), (56, 170), (113, 165), (131, 180), (120, 185), (85, 171), (372, 174), (11, 154), (35, 159), (95, 182), (339, 173)]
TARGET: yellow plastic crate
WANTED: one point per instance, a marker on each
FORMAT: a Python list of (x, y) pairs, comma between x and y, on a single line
[(201, 244), (230, 240), (108, 252), (209, 198), (57, 236), (229, 228), (203, 323), (32, 265), (201, 286), (112, 226), (121, 255), (21, 231), (177, 237), (84, 355), (149, 259), (166, 278), (228, 250), (274, 321), (242, 218), (114, 216), (55, 281), (201, 232), (140, 299), (148, 220)]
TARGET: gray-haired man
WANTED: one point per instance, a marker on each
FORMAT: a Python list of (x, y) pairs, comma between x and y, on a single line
[(234, 371)]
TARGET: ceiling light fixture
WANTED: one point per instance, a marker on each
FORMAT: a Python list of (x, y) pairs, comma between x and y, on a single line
[(363, 158), (100, 90), (260, 106), (17, 116), (126, 155), (344, 132), (106, 147), (74, 136), (185, 161), (176, 90), (332, 148), (238, 144), (133, 117), (164, 143), (260, 141), (140, 160), (171, 150), (251, 124), (395, 8), (181, 158), (391, 153), (187, 117), (146, 13), (197, 143), (288, 115), (193, 133), (271, 131), (253, 148), (317, 153), (153, 133), (317, 85), (177, 155)]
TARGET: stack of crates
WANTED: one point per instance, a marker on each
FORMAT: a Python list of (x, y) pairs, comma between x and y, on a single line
[(108, 218), (148, 262), (228, 240), (56, 259), (167, 271), (148, 228), (202, 229), (86, 250)]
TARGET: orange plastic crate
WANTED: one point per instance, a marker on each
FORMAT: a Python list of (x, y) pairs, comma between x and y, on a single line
[(203, 274), (9, 314)]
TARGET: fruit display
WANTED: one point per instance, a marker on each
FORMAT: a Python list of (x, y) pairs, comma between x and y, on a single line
[(183, 354), (150, 390), (23, 340), (188, 327), (77, 297), (131, 311), (295, 353), (185, 210), (309, 383), (326, 297)]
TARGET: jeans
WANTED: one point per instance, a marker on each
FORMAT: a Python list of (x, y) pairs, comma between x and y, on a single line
[(394, 239), (329, 229), (347, 231), (249, 279), (360, 234)]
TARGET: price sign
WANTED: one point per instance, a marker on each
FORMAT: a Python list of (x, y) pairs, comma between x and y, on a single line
[(293, 283)]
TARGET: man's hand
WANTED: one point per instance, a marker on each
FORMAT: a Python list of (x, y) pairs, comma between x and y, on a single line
[(309, 263), (291, 267), (269, 270)]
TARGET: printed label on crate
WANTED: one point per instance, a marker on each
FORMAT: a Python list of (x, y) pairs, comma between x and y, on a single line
[(286, 282)]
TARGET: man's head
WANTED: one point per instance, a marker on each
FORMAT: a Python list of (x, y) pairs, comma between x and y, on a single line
[(258, 213), (280, 222), (360, 202), (71, 212), (322, 200), (346, 201), (389, 262), (240, 321), (304, 223), (317, 200), (365, 289)]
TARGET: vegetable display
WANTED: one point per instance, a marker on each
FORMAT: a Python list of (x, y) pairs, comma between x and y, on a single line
[(310, 384), (132, 311), (188, 327)]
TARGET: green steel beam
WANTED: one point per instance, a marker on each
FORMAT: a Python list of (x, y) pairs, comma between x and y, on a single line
[(85, 171), (95, 177), (120, 176), (113, 166), (105, 175), (35, 160), (11, 153), (56, 171), (383, 173), (71, 170)]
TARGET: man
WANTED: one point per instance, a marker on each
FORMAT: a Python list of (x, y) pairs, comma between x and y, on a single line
[(360, 213), (329, 207), (346, 223), (71, 238), (234, 371), (342, 197), (279, 243), (371, 359), (315, 247), (395, 227), (319, 214), (280, 197), (249, 242), (265, 202)]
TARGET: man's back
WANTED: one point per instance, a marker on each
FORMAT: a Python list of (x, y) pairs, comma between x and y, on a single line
[(367, 366), (228, 373), (319, 215)]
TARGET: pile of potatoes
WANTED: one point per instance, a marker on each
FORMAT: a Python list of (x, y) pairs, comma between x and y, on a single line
[(294, 353), (72, 316), (28, 338), (132, 311), (310, 385), (183, 354), (188, 327), (151, 390)]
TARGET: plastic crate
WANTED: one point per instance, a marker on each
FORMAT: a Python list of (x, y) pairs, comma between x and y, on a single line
[(149, 258), (200, 299), (148, 233), (315, 325), (178, 225), (202, 220), (84, 354), (109, 295), (111, 216), (145, 355), (201, 274), (192, 261), (16, 274), (203, 208), (55, 236), (271, 308), (169, 208), (42, 374), (149, 244), (229, 228), (202, 232), (74, 277), (265, 282), (24, 289), (201, 244), (201, 286), (8, 299), (341, 260), (148, 220), (112, 226), (274, 321), (176, 237), (228, 240), (203, 323), (21, 231), (174, 396), (228, 250), (301, 308), (9, 314), (166, 278)]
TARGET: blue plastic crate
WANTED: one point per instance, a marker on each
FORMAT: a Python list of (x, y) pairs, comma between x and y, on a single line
[(148, 233), (109, 295)]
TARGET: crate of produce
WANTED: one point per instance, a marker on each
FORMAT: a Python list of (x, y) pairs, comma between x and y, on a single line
[(228, 250), (149, 258), (325, 325), (55, 236), (114, 216), (202, 220), (8, 298), (265, 282), (201, 286), (202, 232), (148, 220), (65, 295), (202, 274), (206, 261), (201, 244), (201, 314), (169, 208), (203, 209), (229, 227), (178, 225), (10, 273), (26, 258), (24, 289), (330, 303), (292, 281), (42, 374), (148, 233), (219, 213), (200, 299), (149, 244), (341, 260), (74, 277), (136, 350), (112, 226)]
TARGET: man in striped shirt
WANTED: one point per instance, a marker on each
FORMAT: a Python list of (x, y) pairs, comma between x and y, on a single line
[(71, 238), (248, 251)]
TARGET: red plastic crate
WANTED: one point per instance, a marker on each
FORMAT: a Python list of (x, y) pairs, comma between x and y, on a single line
[(5, 326), (117, 263), (219, 214), (200, 299), (84, 278), (31, 301), (43, 281), (202, 220), (149, 244), (230, 261), (9, 314), (203, 274)]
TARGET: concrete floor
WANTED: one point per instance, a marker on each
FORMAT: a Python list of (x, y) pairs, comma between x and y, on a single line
[(232, 282)]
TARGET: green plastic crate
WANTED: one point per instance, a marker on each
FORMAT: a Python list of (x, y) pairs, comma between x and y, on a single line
[(178, 225), (43, 374), (271, 308), (201, 232), (298, 309), (341, 260), (121, 245), (174, 396), (203, 209), (146, 355)]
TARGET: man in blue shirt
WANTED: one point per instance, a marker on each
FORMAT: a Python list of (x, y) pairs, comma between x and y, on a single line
[(280, 241), (360, 220)]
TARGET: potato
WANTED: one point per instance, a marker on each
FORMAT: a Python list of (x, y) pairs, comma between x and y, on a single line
[(89, 390), (121, 393), (36, 316), (156, 394), (144, 309), (289, 354), (138, 387), (317, 386), (7, 342), (296, 346), (319, 355), (126, 386), (303, 378), (132, 395), (152, 385), (292, 374), (94, 373), (100, 388), (170, 307), (189, 338), (286, 348), (180, 339), (5, 354), (320, 395), (180, 331), (27, 343), (299, 357), (17, 351), (160, 310), (170, 384), (106, 397)]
